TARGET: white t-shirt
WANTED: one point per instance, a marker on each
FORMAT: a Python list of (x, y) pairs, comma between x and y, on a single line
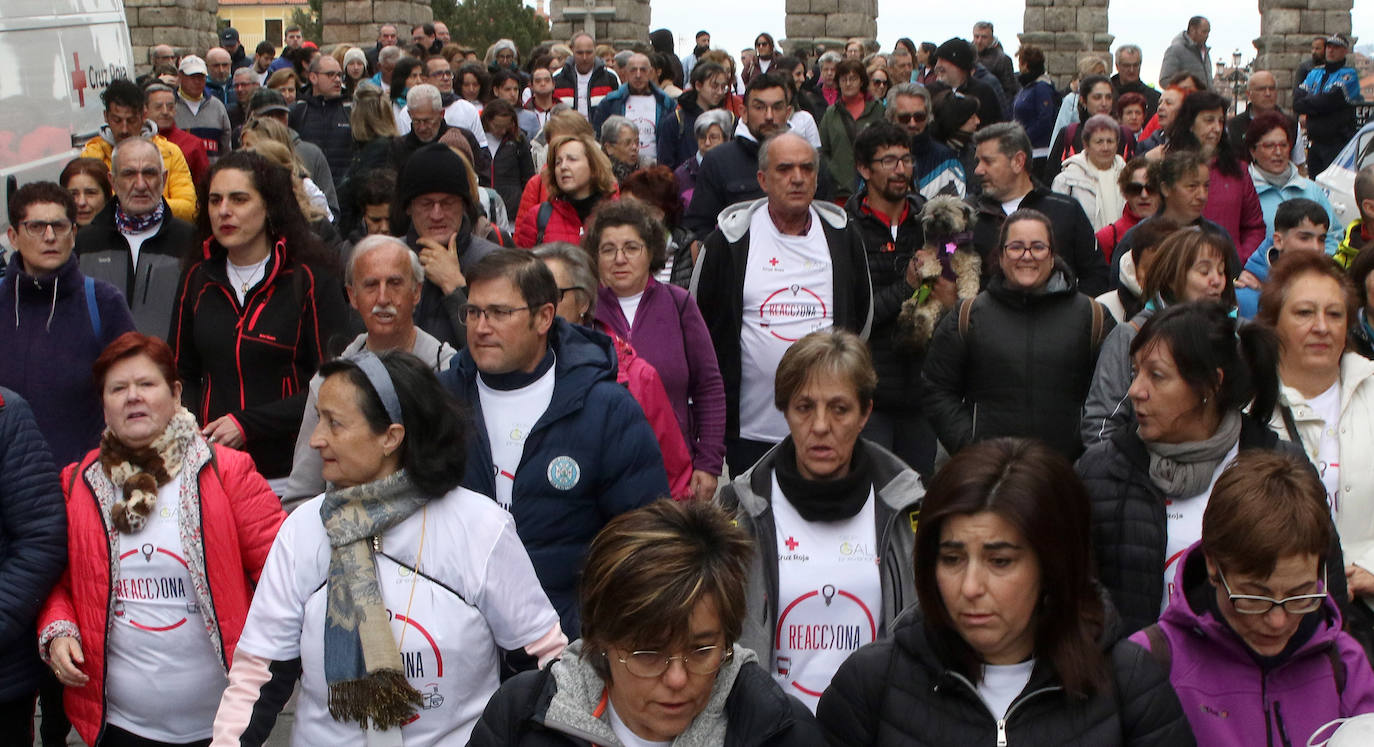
[(622, 731), (629, 305), (510, 415), (643, 111), (244, 277), (1011, 206), (789, 292), (830, 596), (1002, 683), (1183, 525), (136, 242), (461, 113), (163, 678), (1327, 406), (448, 634), (584, 81)]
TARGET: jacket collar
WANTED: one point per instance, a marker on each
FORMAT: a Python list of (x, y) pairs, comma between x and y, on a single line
[(583, 357), (734, 220), (895, 485)]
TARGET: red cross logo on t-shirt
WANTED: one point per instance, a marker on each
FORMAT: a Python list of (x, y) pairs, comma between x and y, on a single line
[(792, 544), (773, 261)]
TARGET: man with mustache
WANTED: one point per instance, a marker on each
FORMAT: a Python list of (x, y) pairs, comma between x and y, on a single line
[(384, 280)]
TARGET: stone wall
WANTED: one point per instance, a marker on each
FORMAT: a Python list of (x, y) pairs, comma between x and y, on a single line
[(357, 21), (627, 26), (1287, 28), (1064, 30), (187, 25), (829, 22)]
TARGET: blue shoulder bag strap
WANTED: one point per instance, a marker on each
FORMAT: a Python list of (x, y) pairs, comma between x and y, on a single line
[(91, 306)]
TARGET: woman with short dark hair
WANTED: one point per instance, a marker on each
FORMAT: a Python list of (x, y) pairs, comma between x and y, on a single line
[(663, 604), (1012, 641), (392, 596), (1252, 630), (665, 327), (832, 515)]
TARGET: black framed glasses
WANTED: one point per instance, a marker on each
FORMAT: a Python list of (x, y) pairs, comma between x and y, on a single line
[(905, 117), (565, 291), (1135, 189), (1037, 249), (890, 162), (1254, 604), (37, 229), (650, 664)]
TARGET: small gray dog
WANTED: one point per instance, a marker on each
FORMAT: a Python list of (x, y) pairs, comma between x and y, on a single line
[(949, 252)]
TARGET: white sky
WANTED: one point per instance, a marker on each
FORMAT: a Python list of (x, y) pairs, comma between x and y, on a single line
[(1149, 23)]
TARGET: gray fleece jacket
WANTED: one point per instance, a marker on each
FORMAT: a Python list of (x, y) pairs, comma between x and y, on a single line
[(898, 491)]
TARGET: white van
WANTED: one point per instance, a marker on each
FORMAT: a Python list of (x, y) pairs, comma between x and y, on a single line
[(56, 56)]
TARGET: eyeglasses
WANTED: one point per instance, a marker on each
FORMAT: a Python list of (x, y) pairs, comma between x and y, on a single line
[(631, 249), (1021, 249), (890, 162), (442, 74), (565, 291), (1275, 145), (1252, 604), (649, 664), (494, 314), (1135, 189), (331, 73), (904, 117), (879, 81), (37, 229)]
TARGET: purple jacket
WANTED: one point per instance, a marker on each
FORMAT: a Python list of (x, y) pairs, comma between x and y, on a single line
[(1229, 701), (670, 334)]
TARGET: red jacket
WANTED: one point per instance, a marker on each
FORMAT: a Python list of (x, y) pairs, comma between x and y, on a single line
[(563, 223), (1111, 233), (194, 149), (239, 518)]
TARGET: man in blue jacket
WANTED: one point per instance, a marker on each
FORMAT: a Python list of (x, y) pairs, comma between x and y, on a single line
[(557, 441), (643, 103), (33, 521)]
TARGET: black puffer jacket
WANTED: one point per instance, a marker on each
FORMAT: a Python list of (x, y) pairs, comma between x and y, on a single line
[(1129, 527), (1022, 369), (899, 692), (324, 122), (1074, 238), (899, 369), (33, 542)]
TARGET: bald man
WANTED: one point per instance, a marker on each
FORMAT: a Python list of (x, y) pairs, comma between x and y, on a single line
[(220, 67), (1264, 97), (641, 101)]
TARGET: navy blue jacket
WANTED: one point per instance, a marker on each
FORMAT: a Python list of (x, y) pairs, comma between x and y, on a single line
[(49, 344), (593, 439), (33, 542)]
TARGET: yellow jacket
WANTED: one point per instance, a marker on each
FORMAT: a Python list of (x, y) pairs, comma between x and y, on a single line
[(1351, 244), (179, 190)]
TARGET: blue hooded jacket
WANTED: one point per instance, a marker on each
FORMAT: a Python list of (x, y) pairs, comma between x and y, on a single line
[(589, 458)]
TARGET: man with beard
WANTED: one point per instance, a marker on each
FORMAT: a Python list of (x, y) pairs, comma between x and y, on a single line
[(689, 60), (1317, 59), (888, 215)]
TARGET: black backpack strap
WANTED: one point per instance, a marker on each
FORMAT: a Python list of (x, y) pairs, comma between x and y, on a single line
[(1337, 667), (1159, 647), (1291, 425), (541, 221)]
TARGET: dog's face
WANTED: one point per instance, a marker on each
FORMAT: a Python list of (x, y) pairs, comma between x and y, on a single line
[(946, 215)]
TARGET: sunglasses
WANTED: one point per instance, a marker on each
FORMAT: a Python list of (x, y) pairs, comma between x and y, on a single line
[(912, 117), (1135, 189)]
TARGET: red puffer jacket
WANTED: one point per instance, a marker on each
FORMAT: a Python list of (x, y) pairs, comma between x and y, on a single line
[(563, 223), (239, 518), (642, 379)]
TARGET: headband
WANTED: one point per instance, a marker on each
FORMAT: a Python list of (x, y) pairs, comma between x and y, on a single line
[(377, 375)]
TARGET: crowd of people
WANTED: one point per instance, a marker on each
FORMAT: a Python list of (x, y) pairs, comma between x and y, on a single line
[(850, 396)]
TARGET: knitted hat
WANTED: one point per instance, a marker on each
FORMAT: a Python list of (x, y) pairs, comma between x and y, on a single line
[(432, 168), (354, 54), (952, 112), (957, 52)]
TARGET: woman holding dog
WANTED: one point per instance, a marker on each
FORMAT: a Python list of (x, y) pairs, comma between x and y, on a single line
[(1017, 359)]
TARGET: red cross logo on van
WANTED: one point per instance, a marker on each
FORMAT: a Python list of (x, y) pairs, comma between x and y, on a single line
[(78, 80)]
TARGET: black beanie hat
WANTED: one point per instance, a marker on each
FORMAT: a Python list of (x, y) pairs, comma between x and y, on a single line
[(432, 168), (958, 52), (952, 112)]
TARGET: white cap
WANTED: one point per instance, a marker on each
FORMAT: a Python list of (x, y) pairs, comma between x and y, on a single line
[(193, 65)]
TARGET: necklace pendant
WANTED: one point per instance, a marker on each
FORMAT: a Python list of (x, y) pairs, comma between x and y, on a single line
[(245, 287)]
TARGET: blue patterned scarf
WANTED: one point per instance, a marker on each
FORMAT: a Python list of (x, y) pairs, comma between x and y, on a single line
[(138, 223), (361, 662)]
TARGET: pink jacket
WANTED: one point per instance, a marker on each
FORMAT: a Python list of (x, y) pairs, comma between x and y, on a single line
[(1233, 203), (642, 379), (238, 516)]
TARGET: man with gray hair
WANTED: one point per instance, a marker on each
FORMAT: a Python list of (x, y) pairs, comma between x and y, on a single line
[(1127, 78), (994, 58), (935, 168), (384, 280), (1004, 164), (135, 243), (800, 262), (220, 65), (425, 106), (643, 103)]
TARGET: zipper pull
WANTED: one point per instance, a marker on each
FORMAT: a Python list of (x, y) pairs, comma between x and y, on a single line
[(1001, 732)]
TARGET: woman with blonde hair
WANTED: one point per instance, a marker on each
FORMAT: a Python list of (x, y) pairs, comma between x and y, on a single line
[(285, 82), (311, 200), (562, 122), (373, 126), (578, 178)]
